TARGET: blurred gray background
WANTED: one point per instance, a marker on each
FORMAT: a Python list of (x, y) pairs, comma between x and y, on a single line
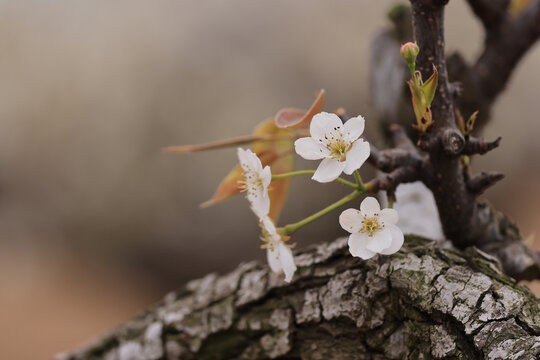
[(96, 223)]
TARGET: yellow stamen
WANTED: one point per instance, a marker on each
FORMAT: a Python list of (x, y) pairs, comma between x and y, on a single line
[(252, 183), (336, 144), (371, 225)]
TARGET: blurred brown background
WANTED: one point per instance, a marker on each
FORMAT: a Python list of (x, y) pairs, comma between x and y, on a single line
[(96, 223)]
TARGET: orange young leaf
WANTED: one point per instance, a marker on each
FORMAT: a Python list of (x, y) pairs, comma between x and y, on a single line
[(295, 118)]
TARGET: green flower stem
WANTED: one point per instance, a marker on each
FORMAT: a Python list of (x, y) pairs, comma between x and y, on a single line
[(311, 172), (347, 183), (293, 173), (359, 184), (291, 228), (412, 67)]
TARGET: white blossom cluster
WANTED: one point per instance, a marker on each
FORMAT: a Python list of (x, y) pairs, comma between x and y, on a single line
[(339, 146)]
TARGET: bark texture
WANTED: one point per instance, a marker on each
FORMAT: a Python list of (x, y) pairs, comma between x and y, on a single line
[(421, 303)]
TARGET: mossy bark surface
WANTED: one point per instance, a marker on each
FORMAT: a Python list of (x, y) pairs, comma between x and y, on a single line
[(420, 303)]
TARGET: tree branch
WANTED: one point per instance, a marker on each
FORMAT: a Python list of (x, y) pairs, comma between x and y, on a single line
[(491, 12), (391, 159), (422, 302), (390, 181), (505, 46)]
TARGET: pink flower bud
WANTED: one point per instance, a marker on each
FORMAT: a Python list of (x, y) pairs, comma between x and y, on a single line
[(409, 51)]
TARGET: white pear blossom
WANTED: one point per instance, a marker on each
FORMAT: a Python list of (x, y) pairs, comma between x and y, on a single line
[(279, 255), (256, 181), (372, 230), (337, 144)]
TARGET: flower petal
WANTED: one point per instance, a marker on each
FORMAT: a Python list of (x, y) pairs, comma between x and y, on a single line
[(356, 156), (353, 128), (351, 220), (380, 240), (270, 228), (322, 123), (287, 261), (272, 255), (328, 170), (309, 149), (370, 206), (260, 203), (357, 246), (266, 176), (389, 216), (248, 160), (397, 240)]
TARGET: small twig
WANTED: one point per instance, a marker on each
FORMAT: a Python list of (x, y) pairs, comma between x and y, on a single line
[(400, 139), (479, 146), (391, 159), (390, 181), (479, 183)]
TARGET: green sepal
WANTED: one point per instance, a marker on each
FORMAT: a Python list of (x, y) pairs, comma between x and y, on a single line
[(430, 86), (471, 121), (418, 99)]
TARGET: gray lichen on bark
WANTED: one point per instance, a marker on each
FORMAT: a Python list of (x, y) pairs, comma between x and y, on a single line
[(422, 302)]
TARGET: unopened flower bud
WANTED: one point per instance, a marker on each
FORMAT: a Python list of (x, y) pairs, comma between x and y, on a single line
[(409, 52)]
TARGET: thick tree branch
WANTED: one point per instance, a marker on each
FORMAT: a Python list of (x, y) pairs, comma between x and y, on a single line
[(442, 173), (464, 218), (420, 303)]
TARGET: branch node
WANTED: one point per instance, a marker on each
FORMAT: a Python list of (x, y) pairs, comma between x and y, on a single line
[(453, 142)]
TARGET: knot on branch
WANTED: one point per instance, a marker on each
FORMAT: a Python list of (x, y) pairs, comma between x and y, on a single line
[(452, 142)]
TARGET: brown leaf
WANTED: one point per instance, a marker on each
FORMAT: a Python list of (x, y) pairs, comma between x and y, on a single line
[(240, 140), (296, 118)]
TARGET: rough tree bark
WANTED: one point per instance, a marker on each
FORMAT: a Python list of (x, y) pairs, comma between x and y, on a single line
[(421, 303)]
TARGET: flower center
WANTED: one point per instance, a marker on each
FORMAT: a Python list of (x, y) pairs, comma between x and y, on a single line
[(252, 183), (371, 225), (270, 240), (336, 143)]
